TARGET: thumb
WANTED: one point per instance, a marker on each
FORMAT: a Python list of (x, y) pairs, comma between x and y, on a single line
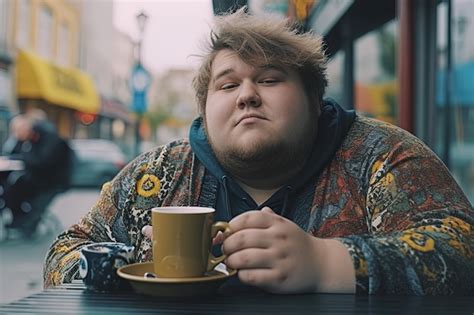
[(147, 231)]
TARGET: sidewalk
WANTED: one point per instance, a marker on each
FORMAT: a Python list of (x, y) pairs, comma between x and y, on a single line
[(21, 261), (21, 267)]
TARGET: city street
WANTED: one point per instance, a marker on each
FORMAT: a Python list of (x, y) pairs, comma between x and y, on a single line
[(21, 261)]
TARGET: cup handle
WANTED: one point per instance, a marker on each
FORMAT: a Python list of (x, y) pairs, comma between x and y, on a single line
[(217, 227), (121, 259)]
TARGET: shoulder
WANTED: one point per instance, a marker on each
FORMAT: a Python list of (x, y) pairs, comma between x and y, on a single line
[(159, 164), (371, 145), (364, 126), (171, 155), (376, 137)]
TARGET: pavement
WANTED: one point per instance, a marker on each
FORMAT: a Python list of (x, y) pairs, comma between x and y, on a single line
[(21, 260)]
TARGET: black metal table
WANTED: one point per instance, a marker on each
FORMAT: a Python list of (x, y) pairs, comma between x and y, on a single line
[(74, 299)]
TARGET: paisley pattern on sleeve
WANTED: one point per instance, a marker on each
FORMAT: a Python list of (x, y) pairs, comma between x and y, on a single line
[(419, 237), (153, 179)]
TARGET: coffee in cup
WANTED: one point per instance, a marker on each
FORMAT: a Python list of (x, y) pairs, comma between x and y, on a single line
[(182, 241)]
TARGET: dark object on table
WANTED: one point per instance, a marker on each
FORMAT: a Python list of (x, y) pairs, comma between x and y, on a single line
[(99, 263)]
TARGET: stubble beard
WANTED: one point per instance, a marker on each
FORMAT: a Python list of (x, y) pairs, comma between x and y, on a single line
[(265, 159)]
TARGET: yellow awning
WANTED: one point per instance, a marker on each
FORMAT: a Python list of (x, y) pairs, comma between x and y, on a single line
[(68, 87)]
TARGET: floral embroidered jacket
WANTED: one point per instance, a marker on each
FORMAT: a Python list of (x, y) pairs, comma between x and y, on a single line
[(385, 195)]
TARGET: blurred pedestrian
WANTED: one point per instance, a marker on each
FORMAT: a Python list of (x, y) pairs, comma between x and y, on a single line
[(47, 162)]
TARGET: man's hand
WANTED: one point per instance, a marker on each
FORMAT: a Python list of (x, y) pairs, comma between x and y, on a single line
[(275, 254)]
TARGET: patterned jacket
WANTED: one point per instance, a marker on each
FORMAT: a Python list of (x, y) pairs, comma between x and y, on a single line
[(404, 220)]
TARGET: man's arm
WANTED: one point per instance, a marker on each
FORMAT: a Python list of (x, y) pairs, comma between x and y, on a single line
[(275, 254), (104, 222), (61, 264), (421, 237), (122, 210)]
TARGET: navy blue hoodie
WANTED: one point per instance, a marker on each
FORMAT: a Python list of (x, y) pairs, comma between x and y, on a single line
[(232, 200)]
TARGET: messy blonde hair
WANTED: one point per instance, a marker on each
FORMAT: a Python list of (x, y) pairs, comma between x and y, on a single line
[(262, 40)]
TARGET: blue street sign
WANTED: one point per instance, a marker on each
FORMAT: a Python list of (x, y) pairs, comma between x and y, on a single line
[(140, 82)]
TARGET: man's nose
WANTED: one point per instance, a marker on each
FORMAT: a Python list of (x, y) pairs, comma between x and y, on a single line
[(248, 95)]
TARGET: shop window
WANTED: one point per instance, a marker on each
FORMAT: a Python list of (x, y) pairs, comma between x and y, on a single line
[(106, 128), (118, 129), (44, 35), (375, 87), (455, 111), (63, 45), (23, 24)]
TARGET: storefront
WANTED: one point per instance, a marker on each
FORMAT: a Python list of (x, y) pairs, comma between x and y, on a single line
[(65, 94), (410, 63)]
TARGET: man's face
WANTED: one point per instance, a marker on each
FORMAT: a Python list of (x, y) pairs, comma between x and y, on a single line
[(256, 113), (21, 129)]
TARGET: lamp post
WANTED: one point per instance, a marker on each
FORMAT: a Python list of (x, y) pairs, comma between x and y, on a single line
[(141, 21), (140, 82)]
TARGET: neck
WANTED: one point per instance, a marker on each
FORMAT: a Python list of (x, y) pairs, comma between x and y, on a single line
[(259, 195)]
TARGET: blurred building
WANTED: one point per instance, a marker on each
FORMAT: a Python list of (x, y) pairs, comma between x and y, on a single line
[(107, 55), (66, 58), (121, 120), (172, 105), (410, 63), (7, 102), (43, 37)]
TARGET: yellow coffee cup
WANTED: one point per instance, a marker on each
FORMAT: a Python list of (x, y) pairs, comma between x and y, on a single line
[(182, 240)]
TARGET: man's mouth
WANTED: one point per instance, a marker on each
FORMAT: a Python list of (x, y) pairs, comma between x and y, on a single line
[(250, 118)]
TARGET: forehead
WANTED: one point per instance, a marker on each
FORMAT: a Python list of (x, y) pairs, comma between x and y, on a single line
[(226, 60)]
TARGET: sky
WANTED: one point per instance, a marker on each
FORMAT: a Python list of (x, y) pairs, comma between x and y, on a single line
[(174, 31)]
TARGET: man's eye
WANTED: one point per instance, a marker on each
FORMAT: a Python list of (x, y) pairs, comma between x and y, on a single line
[(228, 86), (269, 81)]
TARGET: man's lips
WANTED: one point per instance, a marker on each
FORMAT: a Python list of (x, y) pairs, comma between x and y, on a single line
[(244, 117)]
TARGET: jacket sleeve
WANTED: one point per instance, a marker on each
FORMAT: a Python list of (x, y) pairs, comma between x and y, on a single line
[(61, 264), (103, 223), (421, 238), (123, 208)]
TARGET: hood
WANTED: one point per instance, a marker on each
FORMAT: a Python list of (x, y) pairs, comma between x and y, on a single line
[(334, 123)]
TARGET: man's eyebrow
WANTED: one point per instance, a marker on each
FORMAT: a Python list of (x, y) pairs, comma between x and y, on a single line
[(261, 68), (222, 73)]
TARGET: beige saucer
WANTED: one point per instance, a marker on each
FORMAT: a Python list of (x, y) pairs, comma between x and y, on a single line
[(172, 287)]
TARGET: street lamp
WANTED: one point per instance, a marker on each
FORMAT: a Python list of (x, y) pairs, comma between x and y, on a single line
[(141, 21), (140, 81)]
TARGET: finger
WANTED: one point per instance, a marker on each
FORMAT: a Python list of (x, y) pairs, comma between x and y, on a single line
[(147, 231), (269, 279), (250, 258), (267, 210), (248, 238), (252, 219), (219, 239)]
